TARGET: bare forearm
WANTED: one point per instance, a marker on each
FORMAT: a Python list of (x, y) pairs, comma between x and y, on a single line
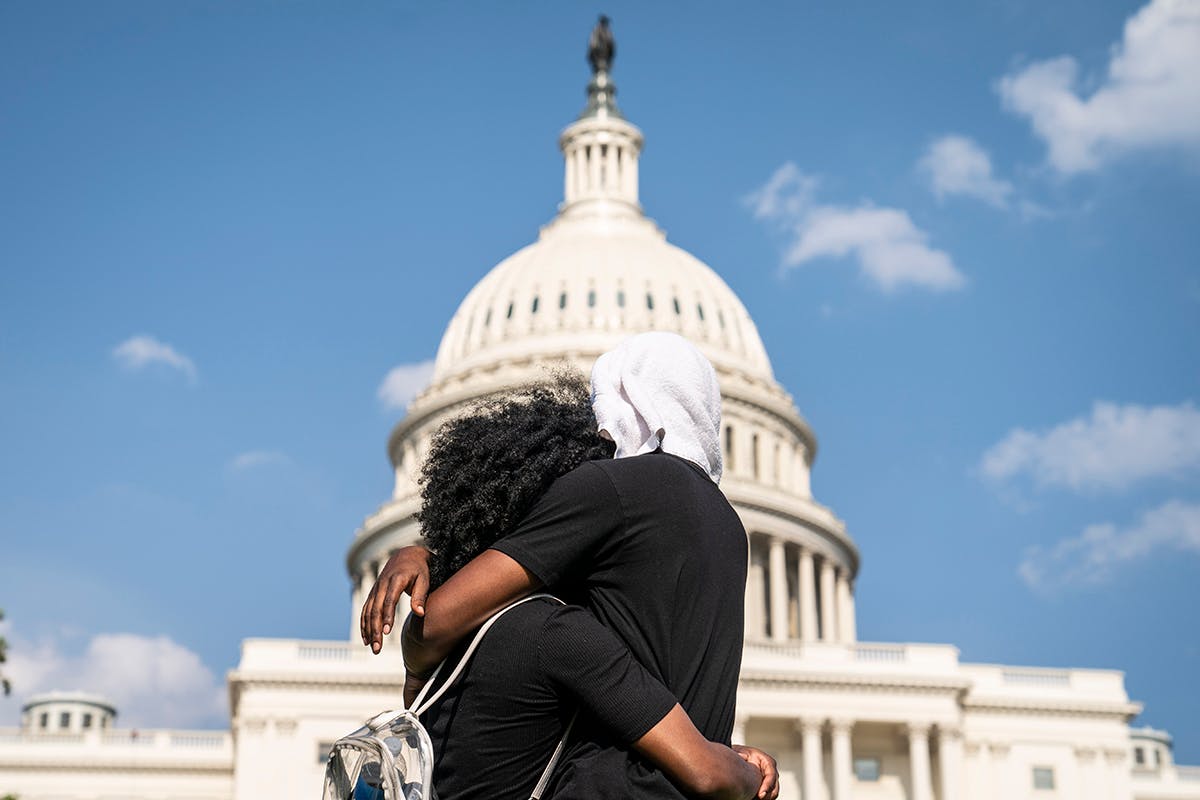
[(697, 766), (484, 586)]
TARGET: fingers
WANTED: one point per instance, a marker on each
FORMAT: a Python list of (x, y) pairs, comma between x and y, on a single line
[(391, 599), (419, 591), (768, 789), (363, 615)]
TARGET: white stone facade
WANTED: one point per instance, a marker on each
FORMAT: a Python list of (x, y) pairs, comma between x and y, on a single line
[(846, 719)]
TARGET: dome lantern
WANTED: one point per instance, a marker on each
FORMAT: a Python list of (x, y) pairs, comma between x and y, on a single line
[(600, 149)]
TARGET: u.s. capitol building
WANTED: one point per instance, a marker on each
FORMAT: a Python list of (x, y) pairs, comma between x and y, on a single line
[(846, 719)]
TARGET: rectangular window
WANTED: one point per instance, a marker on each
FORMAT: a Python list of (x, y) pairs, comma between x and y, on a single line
[(87, 720), (44, 720), (64, 719), (1139, 756), (866, 769), (1043, 777)]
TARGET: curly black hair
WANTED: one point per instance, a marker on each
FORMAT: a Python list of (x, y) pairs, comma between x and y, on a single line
[(486, 468)]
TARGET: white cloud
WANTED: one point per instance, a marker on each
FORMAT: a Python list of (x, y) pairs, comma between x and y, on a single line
[(403, 383), (1115, 447), (256, 458), (142, 351), (153, 681), (891, 251), (1150, 96), (958, 165), (1096, 553)]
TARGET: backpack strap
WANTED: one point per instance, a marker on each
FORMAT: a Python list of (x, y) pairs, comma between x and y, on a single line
[(543, 781), (423, 702)]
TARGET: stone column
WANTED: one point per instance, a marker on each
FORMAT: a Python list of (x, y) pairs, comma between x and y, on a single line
[(1001, 779), (845, 607), (810, 731), (610, 169), (1116, 774), (1089, 786), (950, 763), (843, 766), (807, 596), (777, 581), (918, 760), (580, 166), (828, 613), (631, 175), (569, 179), (594, 169)]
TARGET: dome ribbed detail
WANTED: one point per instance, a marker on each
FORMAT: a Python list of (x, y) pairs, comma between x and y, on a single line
[(584, 282)]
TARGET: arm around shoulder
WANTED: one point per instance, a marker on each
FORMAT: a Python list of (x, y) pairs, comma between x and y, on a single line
[(485, 585)]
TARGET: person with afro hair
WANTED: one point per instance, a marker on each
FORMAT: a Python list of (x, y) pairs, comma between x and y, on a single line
[(646, 541), (496, 727)]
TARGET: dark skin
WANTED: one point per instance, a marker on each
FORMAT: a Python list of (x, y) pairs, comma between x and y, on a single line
[(490, 582)]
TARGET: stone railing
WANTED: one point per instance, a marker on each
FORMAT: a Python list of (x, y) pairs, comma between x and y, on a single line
[(297, 655), (1037, 677), (862, 657), (191, 746)]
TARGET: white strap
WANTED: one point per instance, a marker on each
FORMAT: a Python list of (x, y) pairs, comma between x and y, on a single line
[(420, 705), (540, 789)]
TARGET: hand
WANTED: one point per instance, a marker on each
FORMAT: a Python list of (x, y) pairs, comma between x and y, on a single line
[(412, 687), (769, 788), (406, 571)]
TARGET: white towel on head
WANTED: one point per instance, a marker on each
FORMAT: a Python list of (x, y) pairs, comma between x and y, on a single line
[(658, 390)]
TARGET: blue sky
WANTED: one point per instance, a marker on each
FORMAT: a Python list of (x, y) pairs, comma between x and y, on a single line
[(966, 232)]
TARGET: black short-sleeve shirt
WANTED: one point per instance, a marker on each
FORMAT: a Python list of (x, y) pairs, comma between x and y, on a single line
[(496, 727), (656, 552)]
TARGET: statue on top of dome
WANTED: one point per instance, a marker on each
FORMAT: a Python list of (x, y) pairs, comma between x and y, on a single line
[(601, 46)]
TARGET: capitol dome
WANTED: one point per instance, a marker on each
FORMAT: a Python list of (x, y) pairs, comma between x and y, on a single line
[(587, 279), (599, 272)]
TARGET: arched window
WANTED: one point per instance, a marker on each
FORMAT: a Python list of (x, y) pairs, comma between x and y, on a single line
[(649, 301), (510, 311), (534, 307), (591, 298), (620, 298), (562, 300)]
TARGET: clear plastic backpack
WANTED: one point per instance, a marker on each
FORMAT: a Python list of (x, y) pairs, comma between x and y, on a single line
[(391, 757)]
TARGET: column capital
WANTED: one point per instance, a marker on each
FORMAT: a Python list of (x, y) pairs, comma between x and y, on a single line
[(808, 725), (1086, 754), (917, 729), (841, 724)]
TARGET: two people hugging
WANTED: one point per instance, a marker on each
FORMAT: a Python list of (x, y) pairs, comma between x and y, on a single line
[(606, 499)]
